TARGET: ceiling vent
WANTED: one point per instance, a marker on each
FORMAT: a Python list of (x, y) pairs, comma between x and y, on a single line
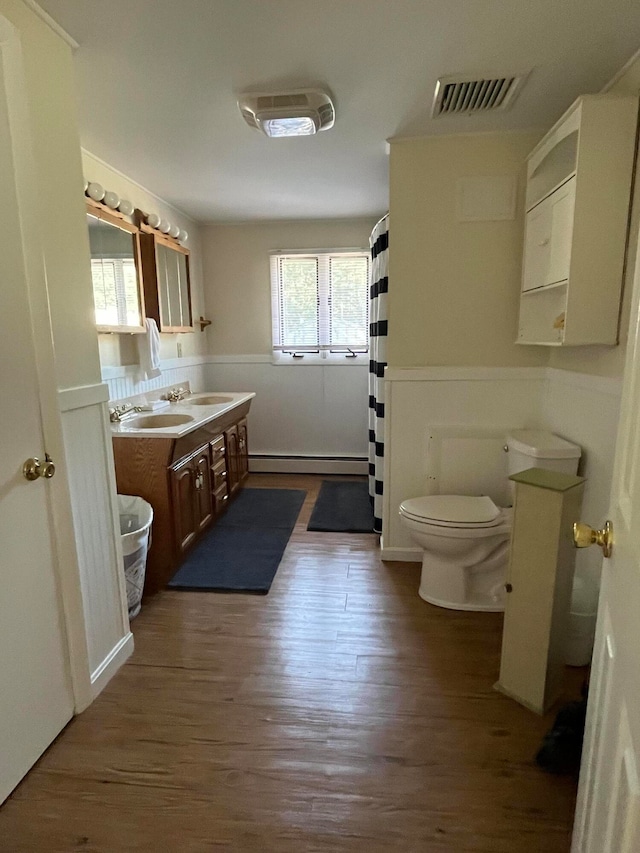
[(280, 114), (463, 95)]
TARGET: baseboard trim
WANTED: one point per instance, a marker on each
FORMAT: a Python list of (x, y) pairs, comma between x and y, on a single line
[(400, 555), (111, 664), (308, 464)]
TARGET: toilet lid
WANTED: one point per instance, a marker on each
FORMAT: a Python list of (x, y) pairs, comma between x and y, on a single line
[(456, 510)]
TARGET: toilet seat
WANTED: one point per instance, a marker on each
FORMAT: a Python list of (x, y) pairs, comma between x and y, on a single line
[(462, 512)]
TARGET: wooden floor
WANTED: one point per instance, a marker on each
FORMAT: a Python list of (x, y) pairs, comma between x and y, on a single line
[(338, 713)]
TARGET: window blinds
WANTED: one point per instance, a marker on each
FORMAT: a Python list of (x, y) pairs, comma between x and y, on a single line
[(320, 301)]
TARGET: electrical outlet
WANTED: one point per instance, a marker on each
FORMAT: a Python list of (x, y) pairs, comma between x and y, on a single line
[(179, 346)]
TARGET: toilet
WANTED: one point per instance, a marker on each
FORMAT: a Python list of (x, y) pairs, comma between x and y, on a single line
[(465, 538)]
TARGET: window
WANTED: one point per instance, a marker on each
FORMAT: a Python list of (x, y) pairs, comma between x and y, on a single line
[(320, 302), (115, 292)]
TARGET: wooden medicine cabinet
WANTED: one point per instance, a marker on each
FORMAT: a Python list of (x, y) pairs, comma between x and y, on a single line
[(115, 271), (165, 276)]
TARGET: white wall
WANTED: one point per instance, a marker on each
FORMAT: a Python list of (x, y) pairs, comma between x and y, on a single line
[(308, 410), (454, 285), (312, 411), (237, 279), (584, 408)]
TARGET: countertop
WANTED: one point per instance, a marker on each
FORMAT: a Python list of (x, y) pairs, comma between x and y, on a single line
[(201, 415)]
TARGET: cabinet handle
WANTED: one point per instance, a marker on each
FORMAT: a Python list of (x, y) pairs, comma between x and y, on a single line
[(544, 242)]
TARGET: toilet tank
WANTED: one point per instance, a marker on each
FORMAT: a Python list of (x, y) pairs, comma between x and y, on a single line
[(535, 448)]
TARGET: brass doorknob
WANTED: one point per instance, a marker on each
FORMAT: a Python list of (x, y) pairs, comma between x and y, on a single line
[(34, 468), (583, 536)]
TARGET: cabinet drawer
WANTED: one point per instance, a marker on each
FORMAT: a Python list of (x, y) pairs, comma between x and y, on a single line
[(219, 475), (217, 448), (548, 233), (220, 499)]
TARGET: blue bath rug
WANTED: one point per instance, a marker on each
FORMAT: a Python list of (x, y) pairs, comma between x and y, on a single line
[(242, 551), (342, 506)]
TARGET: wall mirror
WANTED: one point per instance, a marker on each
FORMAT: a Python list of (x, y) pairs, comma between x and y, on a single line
[(115, 272), (165, 274)]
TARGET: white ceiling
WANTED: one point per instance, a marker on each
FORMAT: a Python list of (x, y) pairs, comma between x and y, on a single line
[(157, 85)]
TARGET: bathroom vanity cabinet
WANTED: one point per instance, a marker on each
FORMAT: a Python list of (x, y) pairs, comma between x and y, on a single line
[(577, 206), (188, 481)]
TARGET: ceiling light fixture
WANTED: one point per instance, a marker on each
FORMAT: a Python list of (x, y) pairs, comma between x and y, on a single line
[(284, 114)]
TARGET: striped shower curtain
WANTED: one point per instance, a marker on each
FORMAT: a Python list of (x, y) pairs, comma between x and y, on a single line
[(379, 243)]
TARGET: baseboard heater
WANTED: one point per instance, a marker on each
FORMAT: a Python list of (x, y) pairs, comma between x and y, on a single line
[(277, 464)]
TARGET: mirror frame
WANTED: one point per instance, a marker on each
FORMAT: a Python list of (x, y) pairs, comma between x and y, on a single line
[(101, 211), (149, 239)]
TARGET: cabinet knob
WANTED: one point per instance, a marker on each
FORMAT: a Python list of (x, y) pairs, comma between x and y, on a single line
[(544, 242), (508, 587)]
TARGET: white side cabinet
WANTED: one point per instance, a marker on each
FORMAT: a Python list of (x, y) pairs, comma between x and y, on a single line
[(577, 202)]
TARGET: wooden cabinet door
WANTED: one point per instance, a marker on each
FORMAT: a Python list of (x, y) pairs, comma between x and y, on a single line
[(202, 489), (564, 200), (191, 493), (243, 450), (548, 235), (184, 511), (231, 442), (537, 246)]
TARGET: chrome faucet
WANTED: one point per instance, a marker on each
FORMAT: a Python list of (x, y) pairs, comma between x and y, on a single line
[(176, 394), (120, 413)]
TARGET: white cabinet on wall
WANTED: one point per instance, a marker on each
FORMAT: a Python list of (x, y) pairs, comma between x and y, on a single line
[(577, 202)]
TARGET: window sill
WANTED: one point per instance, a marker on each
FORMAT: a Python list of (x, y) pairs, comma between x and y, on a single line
[(314, 360)]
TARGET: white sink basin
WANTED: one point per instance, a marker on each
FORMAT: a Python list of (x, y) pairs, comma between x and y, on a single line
[(159, 421), (210, 400)]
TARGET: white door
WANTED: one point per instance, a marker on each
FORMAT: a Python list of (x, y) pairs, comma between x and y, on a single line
[(608, 811), (36, 698)]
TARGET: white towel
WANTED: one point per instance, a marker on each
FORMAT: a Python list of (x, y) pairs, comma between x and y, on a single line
[(149, 350)]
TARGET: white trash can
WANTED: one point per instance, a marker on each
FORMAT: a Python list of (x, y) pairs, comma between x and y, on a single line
[(136, 516), (582, 625)]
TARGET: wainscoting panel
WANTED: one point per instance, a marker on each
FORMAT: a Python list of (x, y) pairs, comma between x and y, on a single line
[(419, 399), (582, 408), (124, 382), (299, 410), (585, 409), (91, 477)]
